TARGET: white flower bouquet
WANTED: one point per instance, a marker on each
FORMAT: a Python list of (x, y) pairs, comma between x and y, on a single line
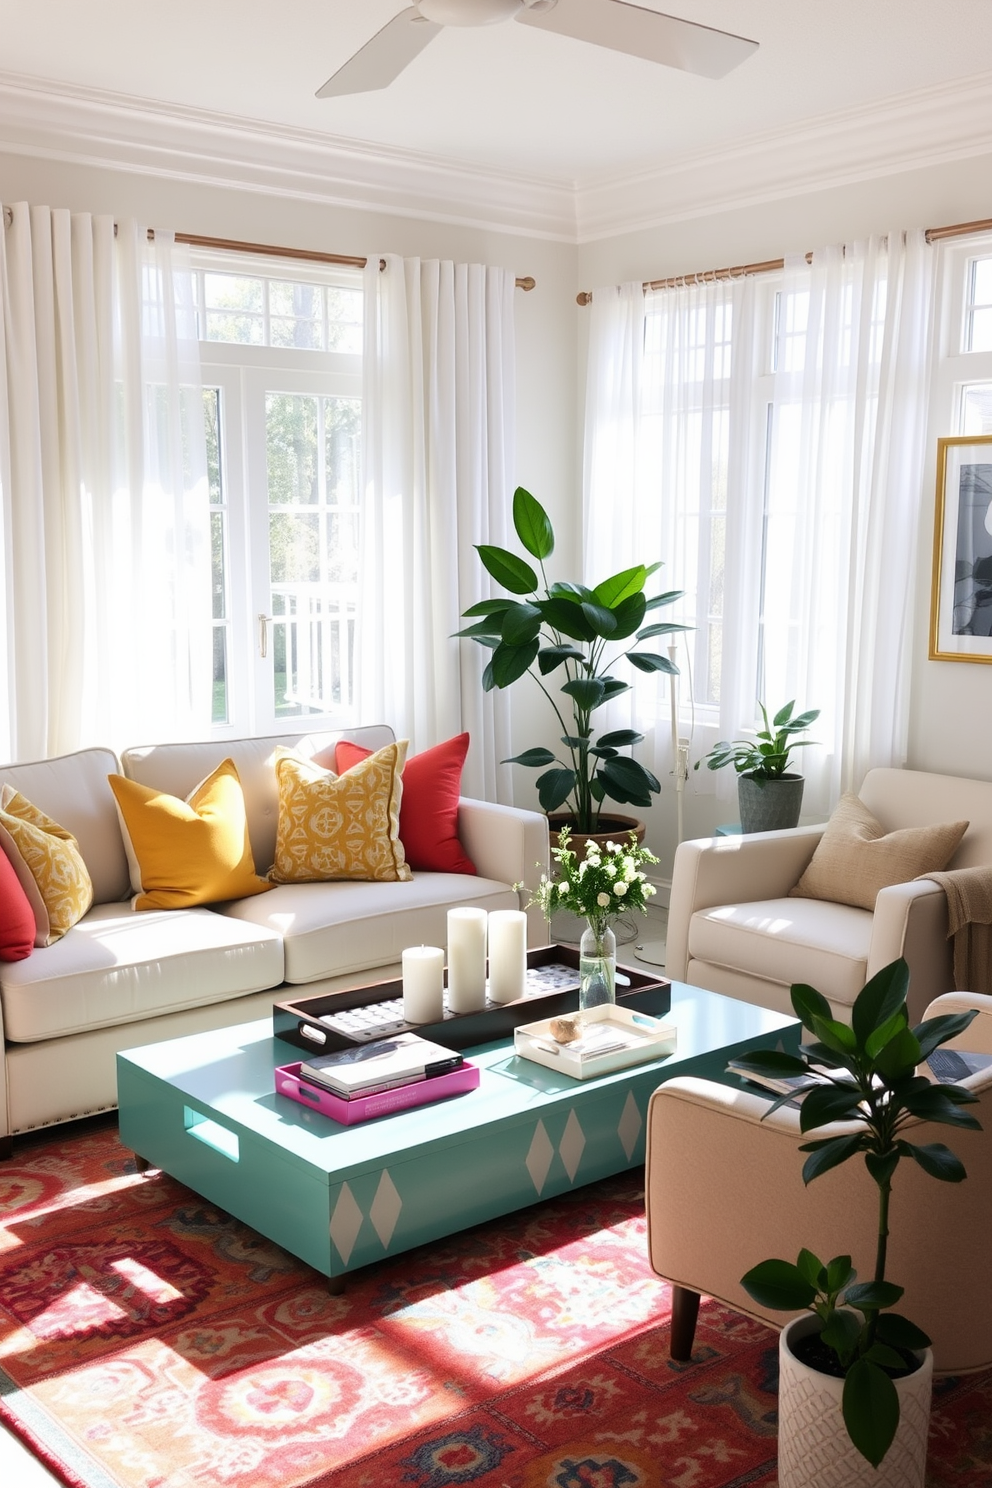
[(607, 881)]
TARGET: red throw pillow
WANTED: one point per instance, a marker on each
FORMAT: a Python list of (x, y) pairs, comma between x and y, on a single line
[(17, 923), (429, 808)]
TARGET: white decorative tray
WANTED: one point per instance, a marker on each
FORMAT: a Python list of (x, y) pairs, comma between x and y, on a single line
[(613, 1038)]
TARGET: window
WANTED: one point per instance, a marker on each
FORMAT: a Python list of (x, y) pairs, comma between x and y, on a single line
[(281, 363)]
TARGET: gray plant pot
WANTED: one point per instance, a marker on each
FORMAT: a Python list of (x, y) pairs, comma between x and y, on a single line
[(767, 805)]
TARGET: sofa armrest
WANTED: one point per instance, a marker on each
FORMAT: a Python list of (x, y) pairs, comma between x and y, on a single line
[(911, 920), (511, 846), (732, 870)]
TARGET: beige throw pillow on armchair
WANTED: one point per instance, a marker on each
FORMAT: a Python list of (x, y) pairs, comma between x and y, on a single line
[(856, 857)]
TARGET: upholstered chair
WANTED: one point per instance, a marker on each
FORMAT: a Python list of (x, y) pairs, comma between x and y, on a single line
[(733, 926), (724, 1191)]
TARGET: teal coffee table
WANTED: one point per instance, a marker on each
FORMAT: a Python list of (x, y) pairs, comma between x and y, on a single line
[(204, 1109)]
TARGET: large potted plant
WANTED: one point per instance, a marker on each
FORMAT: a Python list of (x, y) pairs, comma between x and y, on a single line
[(854, 1377), (568, 637), (769, 794)]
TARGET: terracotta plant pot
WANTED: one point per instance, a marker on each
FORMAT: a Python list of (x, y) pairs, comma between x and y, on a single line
[(613, 828), (813, 1445)]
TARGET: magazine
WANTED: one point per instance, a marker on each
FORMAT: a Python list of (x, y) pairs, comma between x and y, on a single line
[(381, 1065)]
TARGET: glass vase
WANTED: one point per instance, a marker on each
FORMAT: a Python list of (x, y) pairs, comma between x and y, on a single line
[(597, 966)]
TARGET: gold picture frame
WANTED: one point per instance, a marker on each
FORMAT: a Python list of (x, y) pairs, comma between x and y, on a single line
[(961, 588)]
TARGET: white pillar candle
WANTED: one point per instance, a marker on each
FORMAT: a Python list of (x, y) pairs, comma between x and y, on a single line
[(507, 954), (466, 960), (423, 984)]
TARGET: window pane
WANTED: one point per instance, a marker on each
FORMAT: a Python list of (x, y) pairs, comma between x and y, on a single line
[(294, 547), (219, 577), (211, 425), (291, 446), (220, 675), (981, 330), (234, 309), (976, 409), (342, 422), (344, 320)]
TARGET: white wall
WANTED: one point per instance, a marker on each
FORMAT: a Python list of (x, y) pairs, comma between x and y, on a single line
[(951, 709), (546, 317)]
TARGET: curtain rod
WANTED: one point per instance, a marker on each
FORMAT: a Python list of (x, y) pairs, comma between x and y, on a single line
[(771, 265), (230, 245)]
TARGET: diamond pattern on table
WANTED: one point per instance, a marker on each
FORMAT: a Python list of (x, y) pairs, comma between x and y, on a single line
[(572, 1145), (346, 1222), (385, 1209), (539, 1156), (630, 1125)]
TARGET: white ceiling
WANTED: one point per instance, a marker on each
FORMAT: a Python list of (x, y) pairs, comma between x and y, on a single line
[(507, 99)]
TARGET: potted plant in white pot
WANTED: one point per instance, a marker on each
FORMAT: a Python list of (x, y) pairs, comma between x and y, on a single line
[(854, 1377), (769, 794), (568, 637)]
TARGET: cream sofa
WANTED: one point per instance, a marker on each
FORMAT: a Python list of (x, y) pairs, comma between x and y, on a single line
[(121, 978), (733, 928)]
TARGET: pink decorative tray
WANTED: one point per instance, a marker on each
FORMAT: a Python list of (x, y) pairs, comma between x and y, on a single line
[(364, 1108)]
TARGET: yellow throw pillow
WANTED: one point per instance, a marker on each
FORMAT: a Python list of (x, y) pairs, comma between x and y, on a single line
[(340, 826), (188, 852), (47, 860), (856, 857)]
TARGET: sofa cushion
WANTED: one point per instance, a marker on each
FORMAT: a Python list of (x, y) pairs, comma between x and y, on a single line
[(344, 927), (856, 858), (17, 922), (339, 826), (48, 863), (429, 808), (184, 853), (118, 966), (786, 941)]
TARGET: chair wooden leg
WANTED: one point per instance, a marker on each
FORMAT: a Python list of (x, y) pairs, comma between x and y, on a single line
[(685, 1310)]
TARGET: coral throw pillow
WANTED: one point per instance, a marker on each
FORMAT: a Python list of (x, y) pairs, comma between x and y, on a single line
[(856, 857), (17, 923), (344, 826), (188, 852), (48, 864), (429, 809)]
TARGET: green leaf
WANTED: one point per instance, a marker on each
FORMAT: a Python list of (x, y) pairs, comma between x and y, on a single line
[(936, 1031), (649, 661), (772, 1063), (782, 716), (619, 739), (818, 1053), (900, 1056), (550, 657), (574, 593), (943, 1103), (669, 597), (489, 628), (879, 998), (872, 1296), (842, 1333), (657, 630), (629, 775), (532, 525), (829, 1153), (881, 1166), (870, 1407), (613, 687), (613, 591), (813, 1268), (565, 615), (623, 794), (521, 624), (936, 1159), (488, 607), (808, 1003), (510, 662), (554, 788), (531, 758), (884, 1357), (828, 1103), (507, 569), (836, 1036), (840, 1273), (898, 1331), (885, 1033), (488, 680), (628, 616), (779, 1285), (587, 692), (602, 620)]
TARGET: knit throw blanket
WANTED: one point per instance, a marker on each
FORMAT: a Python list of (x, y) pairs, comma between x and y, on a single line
[(969, 924)]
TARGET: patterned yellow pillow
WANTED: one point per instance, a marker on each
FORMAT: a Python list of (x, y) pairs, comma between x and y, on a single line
[(47, 860), (340, 826)]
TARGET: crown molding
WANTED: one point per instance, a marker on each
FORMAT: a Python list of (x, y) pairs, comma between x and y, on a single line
[(89, 126), (929, 126)]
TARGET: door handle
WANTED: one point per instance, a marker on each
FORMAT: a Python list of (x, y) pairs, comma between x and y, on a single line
[(263, 635)]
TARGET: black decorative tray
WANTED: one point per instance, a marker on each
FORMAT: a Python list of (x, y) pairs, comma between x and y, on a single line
[(553, 987)]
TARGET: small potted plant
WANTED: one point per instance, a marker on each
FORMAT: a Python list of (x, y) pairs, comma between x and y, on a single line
[(597, 886), (568, 638), (850, 1361), (768, 793)]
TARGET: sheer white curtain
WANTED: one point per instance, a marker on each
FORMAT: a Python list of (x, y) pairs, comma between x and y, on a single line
[(767, 443), (438, 436), (106, 557)]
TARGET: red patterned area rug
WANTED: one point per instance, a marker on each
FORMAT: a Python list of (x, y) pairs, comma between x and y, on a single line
[(147, 1340)]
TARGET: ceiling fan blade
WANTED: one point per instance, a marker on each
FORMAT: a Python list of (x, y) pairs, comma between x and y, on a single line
[(382, 59), (644, 33)]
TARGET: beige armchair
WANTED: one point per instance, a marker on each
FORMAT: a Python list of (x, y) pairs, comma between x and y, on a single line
[(733, 928), (724, 1191)]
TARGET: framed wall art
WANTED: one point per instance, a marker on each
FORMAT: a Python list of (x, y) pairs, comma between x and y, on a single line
[(961, 594)]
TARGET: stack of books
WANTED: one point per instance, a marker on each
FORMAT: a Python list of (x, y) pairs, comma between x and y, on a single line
[(374, 1079)]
